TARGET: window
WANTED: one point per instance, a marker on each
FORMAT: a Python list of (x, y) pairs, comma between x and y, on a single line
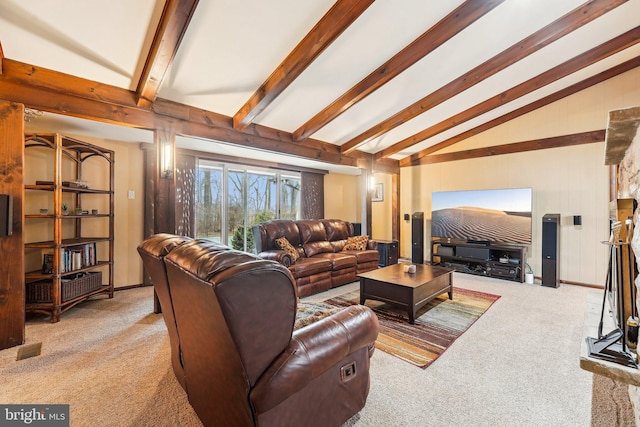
[(209, 191), (230, 199), (289, 197)]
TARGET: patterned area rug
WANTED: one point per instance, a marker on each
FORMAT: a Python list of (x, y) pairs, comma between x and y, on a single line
[(437, 325)]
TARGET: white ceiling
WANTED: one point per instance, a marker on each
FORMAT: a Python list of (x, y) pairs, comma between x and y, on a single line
[(232, 46)]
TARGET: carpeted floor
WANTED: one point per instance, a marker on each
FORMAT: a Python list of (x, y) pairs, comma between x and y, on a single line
[(438, 324), (517, 366)]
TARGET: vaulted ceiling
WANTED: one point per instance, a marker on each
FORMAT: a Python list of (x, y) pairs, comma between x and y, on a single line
[(342, 83)]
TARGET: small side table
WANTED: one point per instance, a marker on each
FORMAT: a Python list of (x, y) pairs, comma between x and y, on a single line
[(388, 250)]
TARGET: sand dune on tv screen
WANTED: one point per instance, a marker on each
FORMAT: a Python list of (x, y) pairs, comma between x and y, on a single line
[(481, 224)]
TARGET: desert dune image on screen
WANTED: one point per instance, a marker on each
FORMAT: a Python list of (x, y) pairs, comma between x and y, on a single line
[(500, 216)]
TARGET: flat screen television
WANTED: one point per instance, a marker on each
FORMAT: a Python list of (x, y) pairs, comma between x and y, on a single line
[(494, 216)]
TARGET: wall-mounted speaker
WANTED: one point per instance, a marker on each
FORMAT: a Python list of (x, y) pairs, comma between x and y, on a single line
[(6, 214), (550, 250), (417, 238)]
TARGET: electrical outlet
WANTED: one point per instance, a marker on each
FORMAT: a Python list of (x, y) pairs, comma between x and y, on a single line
[(132, 194)]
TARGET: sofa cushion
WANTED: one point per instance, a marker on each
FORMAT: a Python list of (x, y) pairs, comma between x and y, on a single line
[(310, 266), (314, 248), (336, 229), (311, 231), (284, 244), (356, 243), (339, 260), (279, 228), (365, 256), (338, 245)]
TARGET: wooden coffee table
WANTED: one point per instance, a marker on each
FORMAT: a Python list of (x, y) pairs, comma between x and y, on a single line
[(409, 291)]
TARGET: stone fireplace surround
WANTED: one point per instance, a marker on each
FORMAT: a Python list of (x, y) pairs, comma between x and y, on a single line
[(622, 148)]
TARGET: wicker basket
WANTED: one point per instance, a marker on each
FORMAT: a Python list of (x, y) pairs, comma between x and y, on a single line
[(41, 291)]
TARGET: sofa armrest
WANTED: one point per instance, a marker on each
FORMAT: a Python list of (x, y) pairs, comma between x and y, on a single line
[(312, 351), (277, 255)]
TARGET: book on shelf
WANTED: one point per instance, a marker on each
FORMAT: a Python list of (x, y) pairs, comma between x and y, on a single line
[(77, 257)]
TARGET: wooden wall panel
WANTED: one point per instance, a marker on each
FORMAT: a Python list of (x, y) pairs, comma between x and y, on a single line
[(185, 195), (312, 196), (12, 247)]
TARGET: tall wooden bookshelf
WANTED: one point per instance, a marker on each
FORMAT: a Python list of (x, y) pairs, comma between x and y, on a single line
[(68, 252)]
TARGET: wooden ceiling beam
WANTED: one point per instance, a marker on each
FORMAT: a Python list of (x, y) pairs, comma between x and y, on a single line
[(518, 147), (547, 35), (447, 27), (197, 115), (341, 15), (172, 27), (61, 93), (416, 159), (218, 135), (72, 105), (571, 66), (49, 80)]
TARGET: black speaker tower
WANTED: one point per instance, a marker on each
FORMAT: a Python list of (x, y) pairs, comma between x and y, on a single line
[(417, 238), (550, 250)]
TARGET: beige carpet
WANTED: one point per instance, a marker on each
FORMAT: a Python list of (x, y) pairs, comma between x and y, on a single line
[(517, 366)]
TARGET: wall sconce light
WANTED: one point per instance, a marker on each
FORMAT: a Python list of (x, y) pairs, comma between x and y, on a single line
[(166, 160), (372, 182)]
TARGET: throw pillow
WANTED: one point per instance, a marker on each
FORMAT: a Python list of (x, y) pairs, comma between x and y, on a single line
[(356, 243), (284, 244)]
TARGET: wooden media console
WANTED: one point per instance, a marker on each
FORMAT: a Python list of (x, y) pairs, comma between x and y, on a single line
[(502, 261)]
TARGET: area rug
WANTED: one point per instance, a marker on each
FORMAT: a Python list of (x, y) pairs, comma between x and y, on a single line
[(437, 325)]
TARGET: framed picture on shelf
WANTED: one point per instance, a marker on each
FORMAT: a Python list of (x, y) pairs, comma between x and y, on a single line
[(378, 193), (47, 263)]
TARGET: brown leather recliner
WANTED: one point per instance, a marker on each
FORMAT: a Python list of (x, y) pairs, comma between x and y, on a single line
[(244, 363), (152, 251)]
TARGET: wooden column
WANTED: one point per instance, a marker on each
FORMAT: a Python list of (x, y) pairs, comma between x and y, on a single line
[(12, 247), (159, 197), (159, 205)]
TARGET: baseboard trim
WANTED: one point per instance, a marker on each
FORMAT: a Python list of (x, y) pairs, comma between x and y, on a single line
[(124, 288), (586, 285)]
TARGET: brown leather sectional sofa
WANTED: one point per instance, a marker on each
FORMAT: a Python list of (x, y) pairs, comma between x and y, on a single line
[(322, 262), (231, 319)]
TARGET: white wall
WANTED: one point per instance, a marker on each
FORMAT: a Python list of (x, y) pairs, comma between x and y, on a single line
[(381, 229), (569, 180), (342, 198)]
